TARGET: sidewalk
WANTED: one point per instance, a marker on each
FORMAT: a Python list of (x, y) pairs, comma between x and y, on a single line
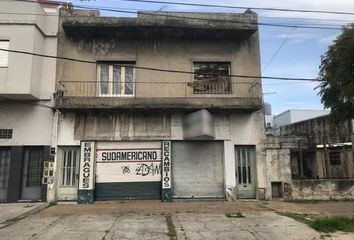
[(325, 208), (10, 212)]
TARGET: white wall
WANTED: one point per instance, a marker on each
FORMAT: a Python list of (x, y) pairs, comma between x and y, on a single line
[(32, 125)]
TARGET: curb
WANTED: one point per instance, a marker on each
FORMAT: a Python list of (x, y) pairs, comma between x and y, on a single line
[(19, 217)]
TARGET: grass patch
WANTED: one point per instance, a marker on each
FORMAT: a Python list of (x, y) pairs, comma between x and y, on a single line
[(327, 224), (332, 224), (306, 201), (235, 215)]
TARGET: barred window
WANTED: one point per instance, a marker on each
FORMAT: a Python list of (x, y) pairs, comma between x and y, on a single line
[(34, 167), (212, 78), (4, 167), (70, 165)]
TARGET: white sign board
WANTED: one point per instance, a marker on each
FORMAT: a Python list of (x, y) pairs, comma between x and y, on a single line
[(128, 165), (128, 172), (166, 162), (87, 162)]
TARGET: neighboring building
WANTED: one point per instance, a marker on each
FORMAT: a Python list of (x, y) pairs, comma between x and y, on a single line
[(274, 122), (312, 159), (27, 84), (133, 121)]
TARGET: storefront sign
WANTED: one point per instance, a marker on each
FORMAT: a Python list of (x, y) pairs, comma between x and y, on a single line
[(87, 162), (109, 155), (124, 162), (166, 162)]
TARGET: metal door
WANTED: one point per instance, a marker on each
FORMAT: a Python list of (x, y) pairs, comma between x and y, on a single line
[(4, 172), (69, 169), (32, 174), (197, 169), (245, 171)]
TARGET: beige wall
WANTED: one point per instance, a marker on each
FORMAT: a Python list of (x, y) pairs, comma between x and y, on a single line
[(28, 77)]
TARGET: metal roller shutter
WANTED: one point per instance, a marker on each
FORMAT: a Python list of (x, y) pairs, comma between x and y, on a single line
[(197, 169), (128, 170)]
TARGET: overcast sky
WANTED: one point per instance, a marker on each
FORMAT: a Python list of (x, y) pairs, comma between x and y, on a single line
[(300, 55)]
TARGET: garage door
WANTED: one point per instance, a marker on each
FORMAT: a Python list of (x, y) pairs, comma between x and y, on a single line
[(128, 170), (197, 169)]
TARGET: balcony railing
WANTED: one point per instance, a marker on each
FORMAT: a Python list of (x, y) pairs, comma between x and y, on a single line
[(194, 89)]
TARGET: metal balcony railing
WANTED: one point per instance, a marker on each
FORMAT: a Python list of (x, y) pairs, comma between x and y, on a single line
[(166, 89)]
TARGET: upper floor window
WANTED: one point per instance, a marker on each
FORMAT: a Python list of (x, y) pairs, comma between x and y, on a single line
[(116, 79), (4, 55), (212, 78)]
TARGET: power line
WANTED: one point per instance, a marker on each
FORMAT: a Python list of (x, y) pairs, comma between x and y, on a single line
[(162, 70), (277, 51), (214, 20), (242, 7), (196, 18), (309, 19), (56, 15), (136, 11)]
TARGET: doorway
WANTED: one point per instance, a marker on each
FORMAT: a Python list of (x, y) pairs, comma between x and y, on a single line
[(32, 174), (245, 162), (69, 170)]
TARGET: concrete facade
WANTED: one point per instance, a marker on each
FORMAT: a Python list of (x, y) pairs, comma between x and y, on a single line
[(27, 85), (161, 100)]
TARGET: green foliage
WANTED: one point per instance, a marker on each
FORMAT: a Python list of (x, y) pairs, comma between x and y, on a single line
[(337, 76), (345, 224), (328, 224)]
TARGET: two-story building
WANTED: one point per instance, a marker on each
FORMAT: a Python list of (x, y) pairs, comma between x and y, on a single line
[(27, 84), (164, 105)]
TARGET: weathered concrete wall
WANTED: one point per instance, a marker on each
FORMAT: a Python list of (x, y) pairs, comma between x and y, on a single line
[(169, 53), (332, 189), (343, 170), (233, 129), (320, 129)]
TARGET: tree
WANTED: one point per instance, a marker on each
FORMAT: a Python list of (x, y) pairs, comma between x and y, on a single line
[(337, 76)]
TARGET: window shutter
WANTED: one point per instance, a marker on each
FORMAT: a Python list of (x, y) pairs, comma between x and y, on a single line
[(3, 54)]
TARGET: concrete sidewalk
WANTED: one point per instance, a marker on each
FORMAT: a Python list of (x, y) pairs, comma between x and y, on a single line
[(10, 212), (175, 220)]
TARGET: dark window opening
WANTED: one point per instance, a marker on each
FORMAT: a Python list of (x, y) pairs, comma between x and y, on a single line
[(212, 78), (277, 189), (334, 158), (305, 168)]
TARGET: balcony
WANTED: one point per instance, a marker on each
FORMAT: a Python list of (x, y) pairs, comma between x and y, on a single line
[(160, 95)]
